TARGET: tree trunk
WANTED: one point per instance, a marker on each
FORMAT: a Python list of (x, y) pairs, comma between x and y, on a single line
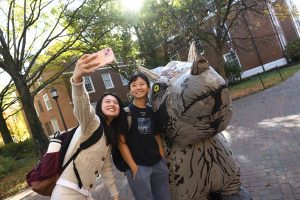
[(140, 39), (4, 130), (221, 63), (40, 139)]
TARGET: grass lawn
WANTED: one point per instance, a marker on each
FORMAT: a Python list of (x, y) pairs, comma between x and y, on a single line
[(14, 182), (253, 84), (16, 160)]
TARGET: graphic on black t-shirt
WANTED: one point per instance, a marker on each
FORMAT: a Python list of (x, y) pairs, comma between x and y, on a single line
[(144, 125), (143, 113)]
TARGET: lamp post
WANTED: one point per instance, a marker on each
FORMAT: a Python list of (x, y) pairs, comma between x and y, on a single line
[(54, 95)]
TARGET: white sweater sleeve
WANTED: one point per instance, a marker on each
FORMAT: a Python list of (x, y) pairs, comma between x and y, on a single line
[(83, 110)]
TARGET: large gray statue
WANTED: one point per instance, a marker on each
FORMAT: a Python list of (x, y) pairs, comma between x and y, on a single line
[(193, 105)]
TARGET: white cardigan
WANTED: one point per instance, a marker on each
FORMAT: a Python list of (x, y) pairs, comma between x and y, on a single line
[(97, 158)]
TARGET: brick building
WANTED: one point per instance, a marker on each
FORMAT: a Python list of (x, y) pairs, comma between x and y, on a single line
[(104, 79), (265, 39)]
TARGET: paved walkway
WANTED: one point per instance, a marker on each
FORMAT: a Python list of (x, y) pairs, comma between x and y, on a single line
[(265, 138)]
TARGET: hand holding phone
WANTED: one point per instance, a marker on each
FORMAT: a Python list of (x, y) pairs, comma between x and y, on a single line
[(105, 56), (88, 63)]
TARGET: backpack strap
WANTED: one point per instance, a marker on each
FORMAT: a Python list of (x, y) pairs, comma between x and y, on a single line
[(128, 115), (66, 140), (86, 144)]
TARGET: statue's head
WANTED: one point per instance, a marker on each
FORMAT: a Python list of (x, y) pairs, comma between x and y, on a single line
[(191, 99)]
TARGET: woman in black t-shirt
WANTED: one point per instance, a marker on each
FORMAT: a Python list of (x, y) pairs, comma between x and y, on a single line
[(141, 147)]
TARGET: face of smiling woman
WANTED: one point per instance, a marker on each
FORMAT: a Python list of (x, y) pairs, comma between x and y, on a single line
[(110, 107), (139, 88)]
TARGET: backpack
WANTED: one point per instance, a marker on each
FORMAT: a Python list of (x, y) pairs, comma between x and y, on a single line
[(117, 157), (43, 177)]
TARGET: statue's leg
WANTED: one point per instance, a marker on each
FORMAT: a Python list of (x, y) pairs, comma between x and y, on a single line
[(183, 186), (197, 170), (242, 194), (233, 191)]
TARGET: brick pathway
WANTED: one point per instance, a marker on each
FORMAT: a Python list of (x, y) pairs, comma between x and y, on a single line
[(265, 138)]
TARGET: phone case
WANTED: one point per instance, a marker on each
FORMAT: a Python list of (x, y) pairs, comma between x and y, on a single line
[(105, 56)]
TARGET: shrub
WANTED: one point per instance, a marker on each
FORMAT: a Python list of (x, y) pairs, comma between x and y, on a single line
[(7, 164), (232, 72), (15, 150), (15, 155), (293, 50)]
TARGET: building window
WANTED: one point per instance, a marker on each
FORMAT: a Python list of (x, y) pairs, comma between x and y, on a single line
[(296, 18), (54, 125), (40, 105), (89, 84), (40, 81), (297, 24), (173, 55), (232, 58), (48, 128), (187, 21), (198, 45), (124, 80), (224, 31), (211, 7), (107, 81), (47, 102), (277, 25)]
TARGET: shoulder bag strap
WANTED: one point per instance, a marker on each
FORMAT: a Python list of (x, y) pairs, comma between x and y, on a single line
[(89, 142)]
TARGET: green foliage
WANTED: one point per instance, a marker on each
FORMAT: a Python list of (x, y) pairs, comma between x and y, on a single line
[(16, 125), (7, 164), (15, 155), (18, 149), (293, 50), (14, 181), (232, 72), (146, 25)]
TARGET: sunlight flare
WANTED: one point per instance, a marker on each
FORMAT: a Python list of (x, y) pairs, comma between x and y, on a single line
[(132, 5)]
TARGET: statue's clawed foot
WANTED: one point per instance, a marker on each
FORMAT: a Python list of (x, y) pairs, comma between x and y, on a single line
[(242, 194)]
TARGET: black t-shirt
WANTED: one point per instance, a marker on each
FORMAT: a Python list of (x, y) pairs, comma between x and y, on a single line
[(141, 136)]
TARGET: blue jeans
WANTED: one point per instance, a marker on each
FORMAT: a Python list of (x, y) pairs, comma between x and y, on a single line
[(150, 182)]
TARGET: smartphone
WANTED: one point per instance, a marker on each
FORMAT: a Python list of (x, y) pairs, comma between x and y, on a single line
[(105, 56)]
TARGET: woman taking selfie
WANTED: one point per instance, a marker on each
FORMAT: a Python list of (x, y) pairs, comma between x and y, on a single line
[(79, 177)]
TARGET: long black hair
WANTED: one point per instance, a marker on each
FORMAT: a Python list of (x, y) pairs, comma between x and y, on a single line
[(117, 126)]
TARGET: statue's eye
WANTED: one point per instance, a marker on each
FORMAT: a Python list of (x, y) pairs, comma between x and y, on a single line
[(155, 88)]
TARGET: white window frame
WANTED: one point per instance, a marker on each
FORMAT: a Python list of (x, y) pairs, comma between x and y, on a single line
[(88, 83), (296, 18), (236, 56), (124, 80), (108, 83), (40, 81), (224, 31), (198, 45), (54, 124), (47, 102), (277, 25), (36, 110), (228, 36), (173, 55), (48, 128)]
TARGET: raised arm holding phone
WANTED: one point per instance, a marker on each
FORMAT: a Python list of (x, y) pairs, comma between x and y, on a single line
[(95, 160)]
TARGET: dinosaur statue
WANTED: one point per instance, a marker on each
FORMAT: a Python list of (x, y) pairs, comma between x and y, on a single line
[(193, 106)]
